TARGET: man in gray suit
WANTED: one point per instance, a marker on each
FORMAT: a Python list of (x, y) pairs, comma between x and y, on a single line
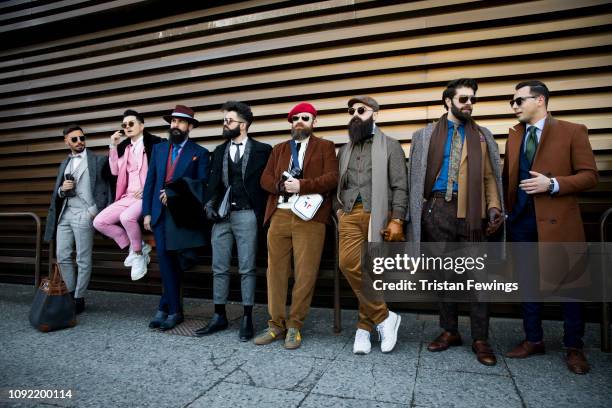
[(81, 191)]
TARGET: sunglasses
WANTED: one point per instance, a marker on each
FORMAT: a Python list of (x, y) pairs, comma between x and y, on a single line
[(519, 101), (77, 138), (360, 110), (464, 98), (229, 121), (305, 118), (127, 124)]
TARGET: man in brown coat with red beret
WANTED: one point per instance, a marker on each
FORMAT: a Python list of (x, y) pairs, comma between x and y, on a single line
[(301, 166), (547, 163)]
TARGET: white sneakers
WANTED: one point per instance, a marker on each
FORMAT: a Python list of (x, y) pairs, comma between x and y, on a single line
[(138, 262), (362, 343), (139, 266), (146, 250), (387, 333)]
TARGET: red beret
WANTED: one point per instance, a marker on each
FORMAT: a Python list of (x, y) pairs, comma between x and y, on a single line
[(301, 108)]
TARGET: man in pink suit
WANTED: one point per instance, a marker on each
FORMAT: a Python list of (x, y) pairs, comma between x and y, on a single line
[(129, 162)]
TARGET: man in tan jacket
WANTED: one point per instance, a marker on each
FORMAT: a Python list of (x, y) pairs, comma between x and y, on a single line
[(313, 168)]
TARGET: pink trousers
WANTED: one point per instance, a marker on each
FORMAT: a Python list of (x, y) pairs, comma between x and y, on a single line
[(126, 211)]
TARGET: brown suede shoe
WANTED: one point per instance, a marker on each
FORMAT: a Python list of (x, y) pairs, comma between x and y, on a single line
[(576, 361), (526, 349), (484, 352), (444, 341)]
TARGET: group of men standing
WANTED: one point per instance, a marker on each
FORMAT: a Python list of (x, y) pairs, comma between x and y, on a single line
[(454, 189)]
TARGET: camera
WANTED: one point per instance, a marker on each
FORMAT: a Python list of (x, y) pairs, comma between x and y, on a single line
[(72, 192), (293, 173)]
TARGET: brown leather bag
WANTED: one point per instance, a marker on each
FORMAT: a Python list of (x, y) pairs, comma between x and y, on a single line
[(53, 307)]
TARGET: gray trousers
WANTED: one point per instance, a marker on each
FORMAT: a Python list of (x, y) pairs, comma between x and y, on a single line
[(75, 227), (241, 227)]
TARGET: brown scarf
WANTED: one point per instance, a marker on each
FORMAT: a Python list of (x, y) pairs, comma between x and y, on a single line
[(435, 157)]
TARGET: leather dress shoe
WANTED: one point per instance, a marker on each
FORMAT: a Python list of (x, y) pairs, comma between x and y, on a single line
[(576, 361), (246, 328), (217, 323), (484, 352), (158, 319), (171, 321), (79, 305), (444, 341), (526, 349)]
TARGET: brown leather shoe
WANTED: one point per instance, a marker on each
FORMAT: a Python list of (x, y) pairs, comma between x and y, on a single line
[(576, 361), (484, 352), (526, 349), (444, 341)]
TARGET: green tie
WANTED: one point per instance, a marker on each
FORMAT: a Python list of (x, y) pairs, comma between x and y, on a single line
[(532, 144), (453, 163)]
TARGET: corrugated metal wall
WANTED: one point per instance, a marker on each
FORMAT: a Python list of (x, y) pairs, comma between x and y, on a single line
[(272, 54)]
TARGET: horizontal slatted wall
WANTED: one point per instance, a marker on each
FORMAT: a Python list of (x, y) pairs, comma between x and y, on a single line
[(273, 54)]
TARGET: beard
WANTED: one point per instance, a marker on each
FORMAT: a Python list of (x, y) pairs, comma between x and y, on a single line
[(461, 115), (360, 130), (230, 133), (300, 133), (177, 136)]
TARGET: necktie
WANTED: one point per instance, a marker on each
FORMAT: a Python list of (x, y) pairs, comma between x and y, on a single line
[(532, 144), (297, 147), (175, 151), (453, 163), (237, 153), (129, 157)]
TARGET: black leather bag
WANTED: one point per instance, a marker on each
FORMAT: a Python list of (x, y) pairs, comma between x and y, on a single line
[(53, 307)]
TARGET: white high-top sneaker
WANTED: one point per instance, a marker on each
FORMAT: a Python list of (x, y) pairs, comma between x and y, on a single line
[(362, 343), (387, 331)]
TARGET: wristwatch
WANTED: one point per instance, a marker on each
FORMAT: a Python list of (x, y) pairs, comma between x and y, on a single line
[(551, 186)]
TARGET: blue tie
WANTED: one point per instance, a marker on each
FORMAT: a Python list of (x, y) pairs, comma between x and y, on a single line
[(175, 151)]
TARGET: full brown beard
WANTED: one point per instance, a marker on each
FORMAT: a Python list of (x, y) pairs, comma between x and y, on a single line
[(300, 133)]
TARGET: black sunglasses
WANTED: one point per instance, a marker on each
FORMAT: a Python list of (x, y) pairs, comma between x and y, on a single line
[(304, 118), (77, 138), (465, 98), (128, 124), (360, 110), (519, 101)]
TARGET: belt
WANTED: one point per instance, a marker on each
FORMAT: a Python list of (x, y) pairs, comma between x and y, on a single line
[(442, 194)]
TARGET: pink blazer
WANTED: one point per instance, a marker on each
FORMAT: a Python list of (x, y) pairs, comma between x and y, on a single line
[(118, 167)]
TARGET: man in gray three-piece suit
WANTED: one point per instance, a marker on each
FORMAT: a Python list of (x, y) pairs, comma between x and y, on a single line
[(81, 191)]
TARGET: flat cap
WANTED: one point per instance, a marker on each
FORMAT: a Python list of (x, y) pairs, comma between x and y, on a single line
[(366, 100)]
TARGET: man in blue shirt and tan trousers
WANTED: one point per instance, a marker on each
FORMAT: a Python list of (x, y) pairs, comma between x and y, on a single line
[(454, 183)]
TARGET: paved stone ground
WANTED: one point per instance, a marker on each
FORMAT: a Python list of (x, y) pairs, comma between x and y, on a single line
[(111, 359)]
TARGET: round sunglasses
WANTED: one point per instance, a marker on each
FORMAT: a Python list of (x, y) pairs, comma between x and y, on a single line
[(360, 110)]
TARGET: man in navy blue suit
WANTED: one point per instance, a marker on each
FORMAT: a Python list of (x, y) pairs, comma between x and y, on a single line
[(178, 158)]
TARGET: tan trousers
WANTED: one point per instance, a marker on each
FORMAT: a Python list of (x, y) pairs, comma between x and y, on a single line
[(353, 231), (288, 233)]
